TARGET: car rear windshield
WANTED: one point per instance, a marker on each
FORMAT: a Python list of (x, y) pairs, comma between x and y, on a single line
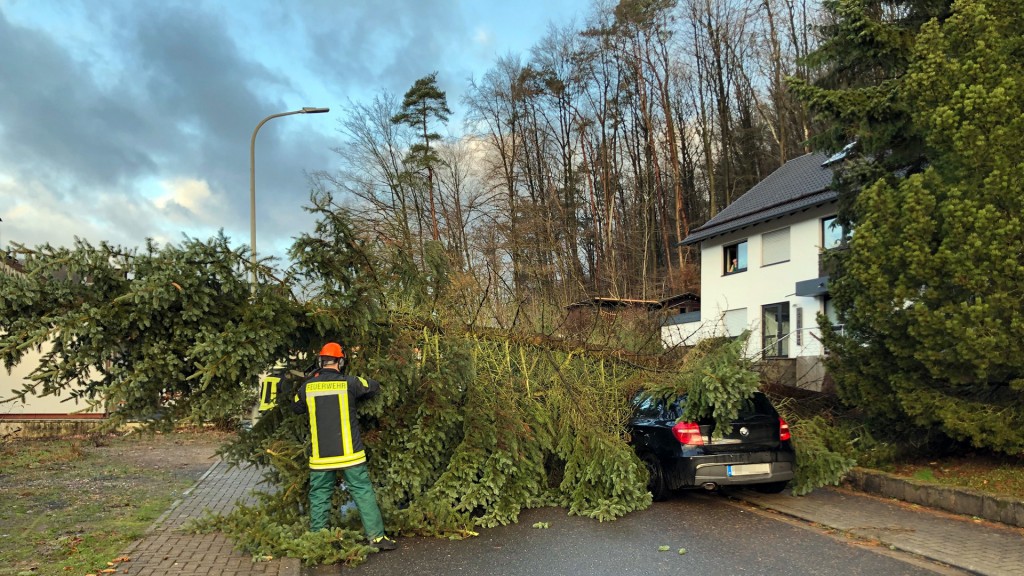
[(645, 406), (757, 405)]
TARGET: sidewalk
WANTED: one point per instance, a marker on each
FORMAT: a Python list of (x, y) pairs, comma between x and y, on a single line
[(976, 546), (166, 550)]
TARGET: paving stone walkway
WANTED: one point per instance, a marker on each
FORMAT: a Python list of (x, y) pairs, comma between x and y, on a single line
[(980, 547), (167, 550)]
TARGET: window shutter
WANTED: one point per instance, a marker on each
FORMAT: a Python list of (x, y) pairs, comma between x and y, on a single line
[(775, 246), (735, 321)]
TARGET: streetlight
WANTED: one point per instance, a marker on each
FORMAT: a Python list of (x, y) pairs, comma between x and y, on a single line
[(252, 178)]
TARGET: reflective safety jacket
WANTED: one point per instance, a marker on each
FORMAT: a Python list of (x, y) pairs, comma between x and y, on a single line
[(329, 398), (269, 386), (279, 383)]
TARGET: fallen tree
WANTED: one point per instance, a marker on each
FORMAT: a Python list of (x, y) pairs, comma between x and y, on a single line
[(472, 425)]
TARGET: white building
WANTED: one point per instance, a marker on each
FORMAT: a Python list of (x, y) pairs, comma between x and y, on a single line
[(15, 414), (760, 269)]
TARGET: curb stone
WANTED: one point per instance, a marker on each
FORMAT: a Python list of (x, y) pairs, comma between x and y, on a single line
[(964, 501), (160, 520)]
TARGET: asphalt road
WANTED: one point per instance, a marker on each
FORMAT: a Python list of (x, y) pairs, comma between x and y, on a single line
[(720, 538)]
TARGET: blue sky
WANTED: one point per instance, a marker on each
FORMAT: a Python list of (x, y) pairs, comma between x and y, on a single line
[(125, 120)]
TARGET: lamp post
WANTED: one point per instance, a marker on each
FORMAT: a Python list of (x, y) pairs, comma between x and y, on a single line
[(252, 178)]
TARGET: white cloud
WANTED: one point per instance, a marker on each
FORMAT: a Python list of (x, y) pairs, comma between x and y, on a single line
[(190, 203), (34, 214), (482, 37), (184, 193), (106, 106)]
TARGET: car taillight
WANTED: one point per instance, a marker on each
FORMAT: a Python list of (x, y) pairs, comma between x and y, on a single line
[(688, 433), (783, 430)]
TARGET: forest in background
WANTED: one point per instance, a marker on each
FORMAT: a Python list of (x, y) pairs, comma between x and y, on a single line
[(585, 161)]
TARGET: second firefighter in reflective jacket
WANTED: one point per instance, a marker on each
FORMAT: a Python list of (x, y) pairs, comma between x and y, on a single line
[(329, 397)]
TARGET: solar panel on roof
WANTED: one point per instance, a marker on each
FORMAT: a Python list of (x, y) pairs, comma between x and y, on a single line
[(842, 154)]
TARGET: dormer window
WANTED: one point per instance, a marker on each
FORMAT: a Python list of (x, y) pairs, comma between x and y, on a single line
[(735, 258)]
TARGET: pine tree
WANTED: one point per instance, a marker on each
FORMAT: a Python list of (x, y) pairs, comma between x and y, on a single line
[(856, 95), (423, 103), (470, 427), (163, 333), (930, 288)]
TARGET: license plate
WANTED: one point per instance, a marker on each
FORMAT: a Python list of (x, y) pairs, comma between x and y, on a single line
[(748, 469)]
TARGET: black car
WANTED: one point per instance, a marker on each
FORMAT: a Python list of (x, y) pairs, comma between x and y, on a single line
[(756, 453)]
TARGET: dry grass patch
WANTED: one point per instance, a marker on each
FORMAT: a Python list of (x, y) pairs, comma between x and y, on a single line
[(72, 504)]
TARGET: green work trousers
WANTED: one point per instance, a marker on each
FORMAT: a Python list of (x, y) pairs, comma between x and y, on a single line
[(357, 480)]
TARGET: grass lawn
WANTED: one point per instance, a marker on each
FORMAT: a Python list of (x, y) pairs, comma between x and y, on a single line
[(72, 505), (992, 474)]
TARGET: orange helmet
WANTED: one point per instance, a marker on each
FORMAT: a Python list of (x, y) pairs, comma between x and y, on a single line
[(332, 349)]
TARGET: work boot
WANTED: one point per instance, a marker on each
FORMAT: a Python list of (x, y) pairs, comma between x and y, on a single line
[(383, 543)]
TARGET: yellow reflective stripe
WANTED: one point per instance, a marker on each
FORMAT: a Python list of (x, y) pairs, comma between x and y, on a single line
[(337, 461), (311, 407), (268, 392), (339, 389), (346, 426), (335, 388)]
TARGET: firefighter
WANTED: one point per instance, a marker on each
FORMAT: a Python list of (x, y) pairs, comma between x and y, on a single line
[(329, 398), (273, 385)]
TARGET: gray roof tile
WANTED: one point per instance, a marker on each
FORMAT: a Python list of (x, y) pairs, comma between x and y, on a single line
[(797, 185)]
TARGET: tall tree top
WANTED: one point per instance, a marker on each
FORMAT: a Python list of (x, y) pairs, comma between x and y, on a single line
[(422, 102)]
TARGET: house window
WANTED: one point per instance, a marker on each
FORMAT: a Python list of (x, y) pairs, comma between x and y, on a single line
[(735, 258), (775, 329), (832, 233), (832, 315), (775, 247)]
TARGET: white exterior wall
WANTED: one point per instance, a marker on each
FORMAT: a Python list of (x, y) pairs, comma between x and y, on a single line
[(759, 285), (54, 406), (13, 381)]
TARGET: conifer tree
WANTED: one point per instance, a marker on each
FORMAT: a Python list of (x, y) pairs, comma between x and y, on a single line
[(856, 96), (163, 333), (930, 288), (423, 103)]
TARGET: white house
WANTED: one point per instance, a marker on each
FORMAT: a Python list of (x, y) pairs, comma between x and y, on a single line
[(16, 414), (760, 269)]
